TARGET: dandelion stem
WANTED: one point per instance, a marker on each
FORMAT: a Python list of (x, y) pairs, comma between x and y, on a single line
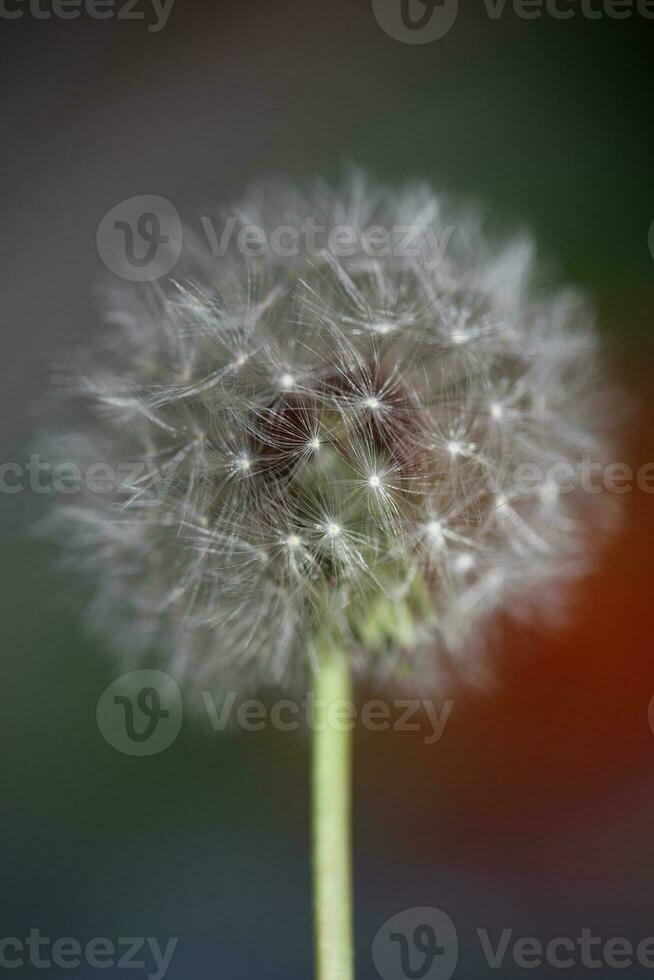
[(331, 822)]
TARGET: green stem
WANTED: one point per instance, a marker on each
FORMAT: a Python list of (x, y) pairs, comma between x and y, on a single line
[(331, 821)]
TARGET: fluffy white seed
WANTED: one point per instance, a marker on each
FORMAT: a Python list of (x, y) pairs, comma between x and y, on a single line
[(311, 438)]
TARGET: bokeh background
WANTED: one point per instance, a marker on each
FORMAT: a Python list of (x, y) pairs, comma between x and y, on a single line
[(534, 811)]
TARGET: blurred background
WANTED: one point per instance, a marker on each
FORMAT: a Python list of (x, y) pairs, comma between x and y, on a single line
[(534, 810)]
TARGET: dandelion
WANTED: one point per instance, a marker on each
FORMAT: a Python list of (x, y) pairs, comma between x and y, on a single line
[(326, 449)]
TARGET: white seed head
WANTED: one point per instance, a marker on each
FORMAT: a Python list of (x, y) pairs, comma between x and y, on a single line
[(395, 540)]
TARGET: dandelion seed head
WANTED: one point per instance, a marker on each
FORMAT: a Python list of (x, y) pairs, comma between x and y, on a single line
[(374, 503)]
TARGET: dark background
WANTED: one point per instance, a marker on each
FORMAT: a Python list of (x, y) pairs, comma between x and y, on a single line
[(534, 811)]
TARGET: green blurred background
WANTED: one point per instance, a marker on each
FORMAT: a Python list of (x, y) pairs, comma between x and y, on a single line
[(534, 810)]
